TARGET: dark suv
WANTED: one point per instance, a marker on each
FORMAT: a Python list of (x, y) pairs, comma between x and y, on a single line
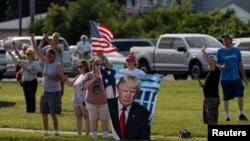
[(124, 44)]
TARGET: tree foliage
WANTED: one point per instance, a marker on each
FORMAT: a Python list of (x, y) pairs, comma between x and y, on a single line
[(10, 8), (72, 21)]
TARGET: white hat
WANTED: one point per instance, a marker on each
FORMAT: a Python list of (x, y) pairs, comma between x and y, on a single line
[(227, 35)]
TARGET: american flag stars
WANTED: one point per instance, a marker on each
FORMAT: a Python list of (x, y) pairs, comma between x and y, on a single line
[(108, 76)]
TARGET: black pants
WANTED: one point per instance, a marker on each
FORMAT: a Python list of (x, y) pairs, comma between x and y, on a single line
[(29, 89)]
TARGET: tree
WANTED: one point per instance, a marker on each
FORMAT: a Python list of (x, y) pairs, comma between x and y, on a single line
[(72, 21), (10, 7), (3, 7)]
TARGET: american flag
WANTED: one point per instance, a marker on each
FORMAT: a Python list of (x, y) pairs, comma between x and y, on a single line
[(101, 37), (150, 84), (109, 81)]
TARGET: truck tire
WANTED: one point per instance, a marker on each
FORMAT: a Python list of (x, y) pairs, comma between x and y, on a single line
[(143, 65), (1, 75), (195, 70), (180, 76)]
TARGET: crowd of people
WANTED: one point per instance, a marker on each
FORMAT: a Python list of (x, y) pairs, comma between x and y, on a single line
[(89, 99)]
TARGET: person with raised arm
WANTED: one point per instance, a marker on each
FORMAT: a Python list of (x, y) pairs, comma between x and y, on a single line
[(50, 101), (210, 87)]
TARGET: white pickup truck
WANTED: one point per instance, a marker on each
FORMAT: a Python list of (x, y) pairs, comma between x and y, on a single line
[(177, 54)]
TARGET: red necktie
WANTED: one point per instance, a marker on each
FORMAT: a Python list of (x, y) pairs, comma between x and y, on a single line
[(122, 123)]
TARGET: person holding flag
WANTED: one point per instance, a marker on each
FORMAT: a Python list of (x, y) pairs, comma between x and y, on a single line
[(146, 97), (103, 58), (140, 129), (101, 37), (130, 120)]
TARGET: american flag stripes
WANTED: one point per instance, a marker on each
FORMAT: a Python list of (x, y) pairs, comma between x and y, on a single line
[(109, 81), (101, 37)]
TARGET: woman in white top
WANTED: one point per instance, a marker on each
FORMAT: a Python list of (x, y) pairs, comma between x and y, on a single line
[(78, 99), (132, 65), (29, 81)]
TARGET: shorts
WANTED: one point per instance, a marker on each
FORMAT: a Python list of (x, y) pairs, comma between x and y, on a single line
[(51, 102), (98, 112), (211, 110), (232, 89)]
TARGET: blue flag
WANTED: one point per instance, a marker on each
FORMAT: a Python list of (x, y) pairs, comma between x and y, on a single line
[(150, 84)]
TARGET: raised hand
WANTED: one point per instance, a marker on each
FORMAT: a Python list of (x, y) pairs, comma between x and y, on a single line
[(203, 48)]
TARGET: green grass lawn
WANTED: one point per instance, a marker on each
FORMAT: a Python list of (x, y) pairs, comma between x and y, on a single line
[(179, 105)]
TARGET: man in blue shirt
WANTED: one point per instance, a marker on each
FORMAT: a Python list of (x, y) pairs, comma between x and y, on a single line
[(83, 47), (230, 64)]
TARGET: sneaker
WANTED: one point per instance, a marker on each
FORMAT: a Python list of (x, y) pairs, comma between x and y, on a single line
[(227, 119), (46, 134), (243, 117), (94, 135), (57, 134)]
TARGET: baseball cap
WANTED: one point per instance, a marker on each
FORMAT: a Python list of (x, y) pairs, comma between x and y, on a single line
[(130, 57), (214, 57), (228, 35)]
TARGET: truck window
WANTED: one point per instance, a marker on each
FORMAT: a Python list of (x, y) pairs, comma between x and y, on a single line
[(61, 41), (19, 43), (142, 43), (178, 43), (166, 43), (123, 46), (245, 46), (196, 42), (65, 45)]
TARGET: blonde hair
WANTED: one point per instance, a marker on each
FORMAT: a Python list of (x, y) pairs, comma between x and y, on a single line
[(131, 81), (25, 46), (56, 33), (32, 53), (95, 60)]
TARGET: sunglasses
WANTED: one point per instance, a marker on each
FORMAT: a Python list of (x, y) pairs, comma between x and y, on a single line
[(98, 64), (79, 67), (28, 54)]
